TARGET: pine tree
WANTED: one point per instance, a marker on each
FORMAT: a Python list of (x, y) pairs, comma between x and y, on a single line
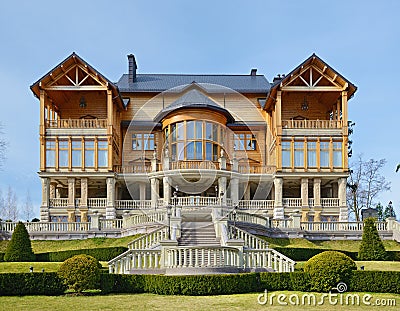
[(389, 211), (371, 247), (19, 248)]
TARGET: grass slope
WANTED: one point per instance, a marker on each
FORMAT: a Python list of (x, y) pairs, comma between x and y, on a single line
[(63, 245), (147, 302), (345, 245), (22, 267)]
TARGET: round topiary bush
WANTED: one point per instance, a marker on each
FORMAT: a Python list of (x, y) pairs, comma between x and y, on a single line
[(80, 272), (19, 248), (329, 268)]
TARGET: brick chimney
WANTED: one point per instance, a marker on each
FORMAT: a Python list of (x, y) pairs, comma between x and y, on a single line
[(132, 68)]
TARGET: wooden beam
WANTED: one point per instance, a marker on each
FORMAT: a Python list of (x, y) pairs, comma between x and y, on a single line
[(312, 88), (76, 88)]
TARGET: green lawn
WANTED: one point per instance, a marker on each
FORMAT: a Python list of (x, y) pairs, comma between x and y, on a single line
[(63, 245), (344, 245), (156, 302), (19, 267)]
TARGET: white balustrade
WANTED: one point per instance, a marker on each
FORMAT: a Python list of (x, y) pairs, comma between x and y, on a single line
[(110, 224), (250, 240), (132, 204), (282, 223), (97, 202), (48, 226), (250, 218), (149, 240), (145, 218), (339, 226), (329, 202), (292, 202), (200, 257), (135, 259), (256, 204), (58, 202)]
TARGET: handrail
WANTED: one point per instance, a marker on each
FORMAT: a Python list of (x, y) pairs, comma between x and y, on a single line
[(77, 123), (340, 226), (250, 241), (312, 124), (150, 239)]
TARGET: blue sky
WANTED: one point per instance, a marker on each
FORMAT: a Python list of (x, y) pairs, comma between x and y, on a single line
[(360, 39)]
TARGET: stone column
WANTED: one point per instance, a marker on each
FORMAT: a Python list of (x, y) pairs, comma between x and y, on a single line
[(154, 182), (44, 208), (71, 193), (83, 207), (71, 200), (235, 191), (84, 192), (278, 202), (317, 192), (110, 208), (343, 212), (247, 192), (53, 186), (222, 160), (304, 192), (235, 163), (142, 191), (222, 189), (167, 191)]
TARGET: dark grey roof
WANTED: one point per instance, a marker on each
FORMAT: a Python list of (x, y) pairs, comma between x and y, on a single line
[(192, 98), (163, 82)]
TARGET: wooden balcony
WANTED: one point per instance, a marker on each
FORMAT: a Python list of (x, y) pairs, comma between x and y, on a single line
[(196, 165), (77, 123), (312, 124)]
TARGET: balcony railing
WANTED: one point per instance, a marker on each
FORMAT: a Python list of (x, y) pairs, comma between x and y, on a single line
[(197, 165), (312, 124), (292, 202), (132, 204), (77, 123), (132, 169)]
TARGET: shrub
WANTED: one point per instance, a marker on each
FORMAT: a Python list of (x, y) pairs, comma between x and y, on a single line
[(80, 273), (329, 268), (19, 248), (48, 283), (371, 247), (1, 257), (101, 254)]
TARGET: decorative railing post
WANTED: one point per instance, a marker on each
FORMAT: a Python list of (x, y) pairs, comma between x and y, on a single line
[(95, 220)]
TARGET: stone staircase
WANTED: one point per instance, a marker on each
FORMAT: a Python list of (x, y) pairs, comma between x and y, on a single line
[(198, 229)]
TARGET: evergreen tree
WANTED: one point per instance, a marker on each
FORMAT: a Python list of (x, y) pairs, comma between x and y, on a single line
[(379, 208), (371, 247), (389, 211), (19, 248)]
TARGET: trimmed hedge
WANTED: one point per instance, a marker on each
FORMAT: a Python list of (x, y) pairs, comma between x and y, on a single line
[(19, 284), (304, 254), (101, 254), (192, 285), (51, 284), (375, 281)]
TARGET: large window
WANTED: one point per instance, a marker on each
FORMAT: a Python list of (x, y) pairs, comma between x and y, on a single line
[(195, 140), (243, 141), (337, 154), (102, 154), (299, 154), (76, 153), (324, 154), (63, 153), (286, 154), (89, 153), (311, 154), (50, 153), (141, 141)]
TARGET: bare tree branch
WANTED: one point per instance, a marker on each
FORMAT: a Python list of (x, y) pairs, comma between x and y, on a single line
[(364, 185)]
